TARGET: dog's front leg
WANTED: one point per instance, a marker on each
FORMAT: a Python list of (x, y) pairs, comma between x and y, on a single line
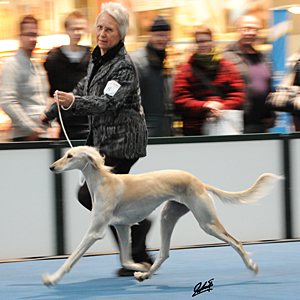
[(94, 233), (124, 234), (86, 243)]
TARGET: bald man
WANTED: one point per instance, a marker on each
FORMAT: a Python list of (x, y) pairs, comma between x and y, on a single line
[(256, 73)]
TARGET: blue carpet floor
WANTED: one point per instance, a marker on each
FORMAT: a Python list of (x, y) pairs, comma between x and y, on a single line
[(93, 277)]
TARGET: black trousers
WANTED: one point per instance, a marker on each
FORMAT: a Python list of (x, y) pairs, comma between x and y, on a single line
[(138, 232)]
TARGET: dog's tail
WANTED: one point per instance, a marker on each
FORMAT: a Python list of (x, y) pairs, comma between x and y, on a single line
[(261, 187)]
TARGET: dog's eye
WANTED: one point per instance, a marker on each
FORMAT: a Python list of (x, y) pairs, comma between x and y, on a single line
[(69, 156)]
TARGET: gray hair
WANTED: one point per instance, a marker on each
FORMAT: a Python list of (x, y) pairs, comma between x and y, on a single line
[(119, 13)]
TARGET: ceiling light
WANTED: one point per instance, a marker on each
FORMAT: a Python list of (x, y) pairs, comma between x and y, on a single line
[(294, 9)]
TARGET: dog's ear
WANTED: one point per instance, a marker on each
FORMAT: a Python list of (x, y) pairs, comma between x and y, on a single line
[(94, 158)]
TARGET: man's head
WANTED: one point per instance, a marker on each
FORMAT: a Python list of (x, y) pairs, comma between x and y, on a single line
[(203, 39), (159, 33), (28, 33), (248, 27), (75, 26)]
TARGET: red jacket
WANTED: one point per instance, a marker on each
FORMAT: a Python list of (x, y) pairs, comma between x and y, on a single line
[(189, 93)]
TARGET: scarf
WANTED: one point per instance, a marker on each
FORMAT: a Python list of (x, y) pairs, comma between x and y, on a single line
[(99, 59), (207, 61)]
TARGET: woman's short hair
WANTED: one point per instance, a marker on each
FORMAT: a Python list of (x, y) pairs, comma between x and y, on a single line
[(72, 16), (119, 13)]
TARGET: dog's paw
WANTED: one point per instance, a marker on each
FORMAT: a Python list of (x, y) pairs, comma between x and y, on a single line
[(46, 280), (255, 269), (140, 276)]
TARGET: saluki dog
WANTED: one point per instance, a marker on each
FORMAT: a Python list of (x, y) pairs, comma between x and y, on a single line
[(124, 200)]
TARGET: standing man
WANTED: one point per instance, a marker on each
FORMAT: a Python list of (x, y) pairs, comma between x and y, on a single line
[(155, 79), (66, 66), (24, 93), (256, 74)]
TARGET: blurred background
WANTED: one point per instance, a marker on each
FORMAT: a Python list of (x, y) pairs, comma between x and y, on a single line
[(183, 15)]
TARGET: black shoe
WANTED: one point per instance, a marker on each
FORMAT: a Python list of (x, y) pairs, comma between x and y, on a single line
[(125, 272), (138, 239), (142, 258)]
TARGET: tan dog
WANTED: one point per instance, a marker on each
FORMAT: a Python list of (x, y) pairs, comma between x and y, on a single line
[(123, 200)]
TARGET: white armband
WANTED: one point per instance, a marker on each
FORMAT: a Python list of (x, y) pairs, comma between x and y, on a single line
[(111, 88)]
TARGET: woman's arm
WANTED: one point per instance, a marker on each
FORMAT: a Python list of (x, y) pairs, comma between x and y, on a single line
[(123, 76), (184, 93)]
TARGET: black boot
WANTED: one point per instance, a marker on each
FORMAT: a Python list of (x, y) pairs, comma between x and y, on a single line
[(139, 254)]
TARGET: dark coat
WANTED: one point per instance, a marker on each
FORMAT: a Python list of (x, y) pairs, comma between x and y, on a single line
[(256, 113), (117, 123), (155, 83), (63, 75)]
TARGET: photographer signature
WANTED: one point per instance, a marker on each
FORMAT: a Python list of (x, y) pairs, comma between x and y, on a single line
[(201, 288)]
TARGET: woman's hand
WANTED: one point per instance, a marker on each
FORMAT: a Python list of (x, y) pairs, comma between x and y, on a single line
[(214, 108), (64, 99), (43, 119)]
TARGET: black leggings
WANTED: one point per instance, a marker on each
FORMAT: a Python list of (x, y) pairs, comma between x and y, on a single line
[(138, 232)]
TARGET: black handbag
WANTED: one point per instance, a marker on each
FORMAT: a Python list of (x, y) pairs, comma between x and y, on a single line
[(286, 99)]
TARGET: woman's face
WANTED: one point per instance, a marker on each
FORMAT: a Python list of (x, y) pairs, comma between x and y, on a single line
[(204, 43), (107, 33)]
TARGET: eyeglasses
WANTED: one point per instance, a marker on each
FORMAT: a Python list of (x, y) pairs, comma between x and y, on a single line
[(203, 41), (161, 35), (249, 29), (34, 35)]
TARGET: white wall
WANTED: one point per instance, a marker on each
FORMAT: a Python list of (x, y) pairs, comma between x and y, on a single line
[(27, 192), (26, 201), (231, 166), (295, 190)]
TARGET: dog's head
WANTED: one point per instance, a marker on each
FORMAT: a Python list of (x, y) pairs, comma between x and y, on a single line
[(78, 158)]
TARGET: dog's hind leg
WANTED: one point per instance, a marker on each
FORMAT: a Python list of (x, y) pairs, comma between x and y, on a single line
[(124, 234), (204, 212), (94, 233), (170, 214)]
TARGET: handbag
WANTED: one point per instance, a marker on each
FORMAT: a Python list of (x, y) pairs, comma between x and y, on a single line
[(229, 122), (286, 99)]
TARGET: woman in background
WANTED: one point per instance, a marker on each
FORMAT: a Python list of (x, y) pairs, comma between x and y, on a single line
[(205, 85)]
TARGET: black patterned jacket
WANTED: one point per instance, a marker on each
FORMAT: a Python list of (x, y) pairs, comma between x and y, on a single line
[(117, 123)]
